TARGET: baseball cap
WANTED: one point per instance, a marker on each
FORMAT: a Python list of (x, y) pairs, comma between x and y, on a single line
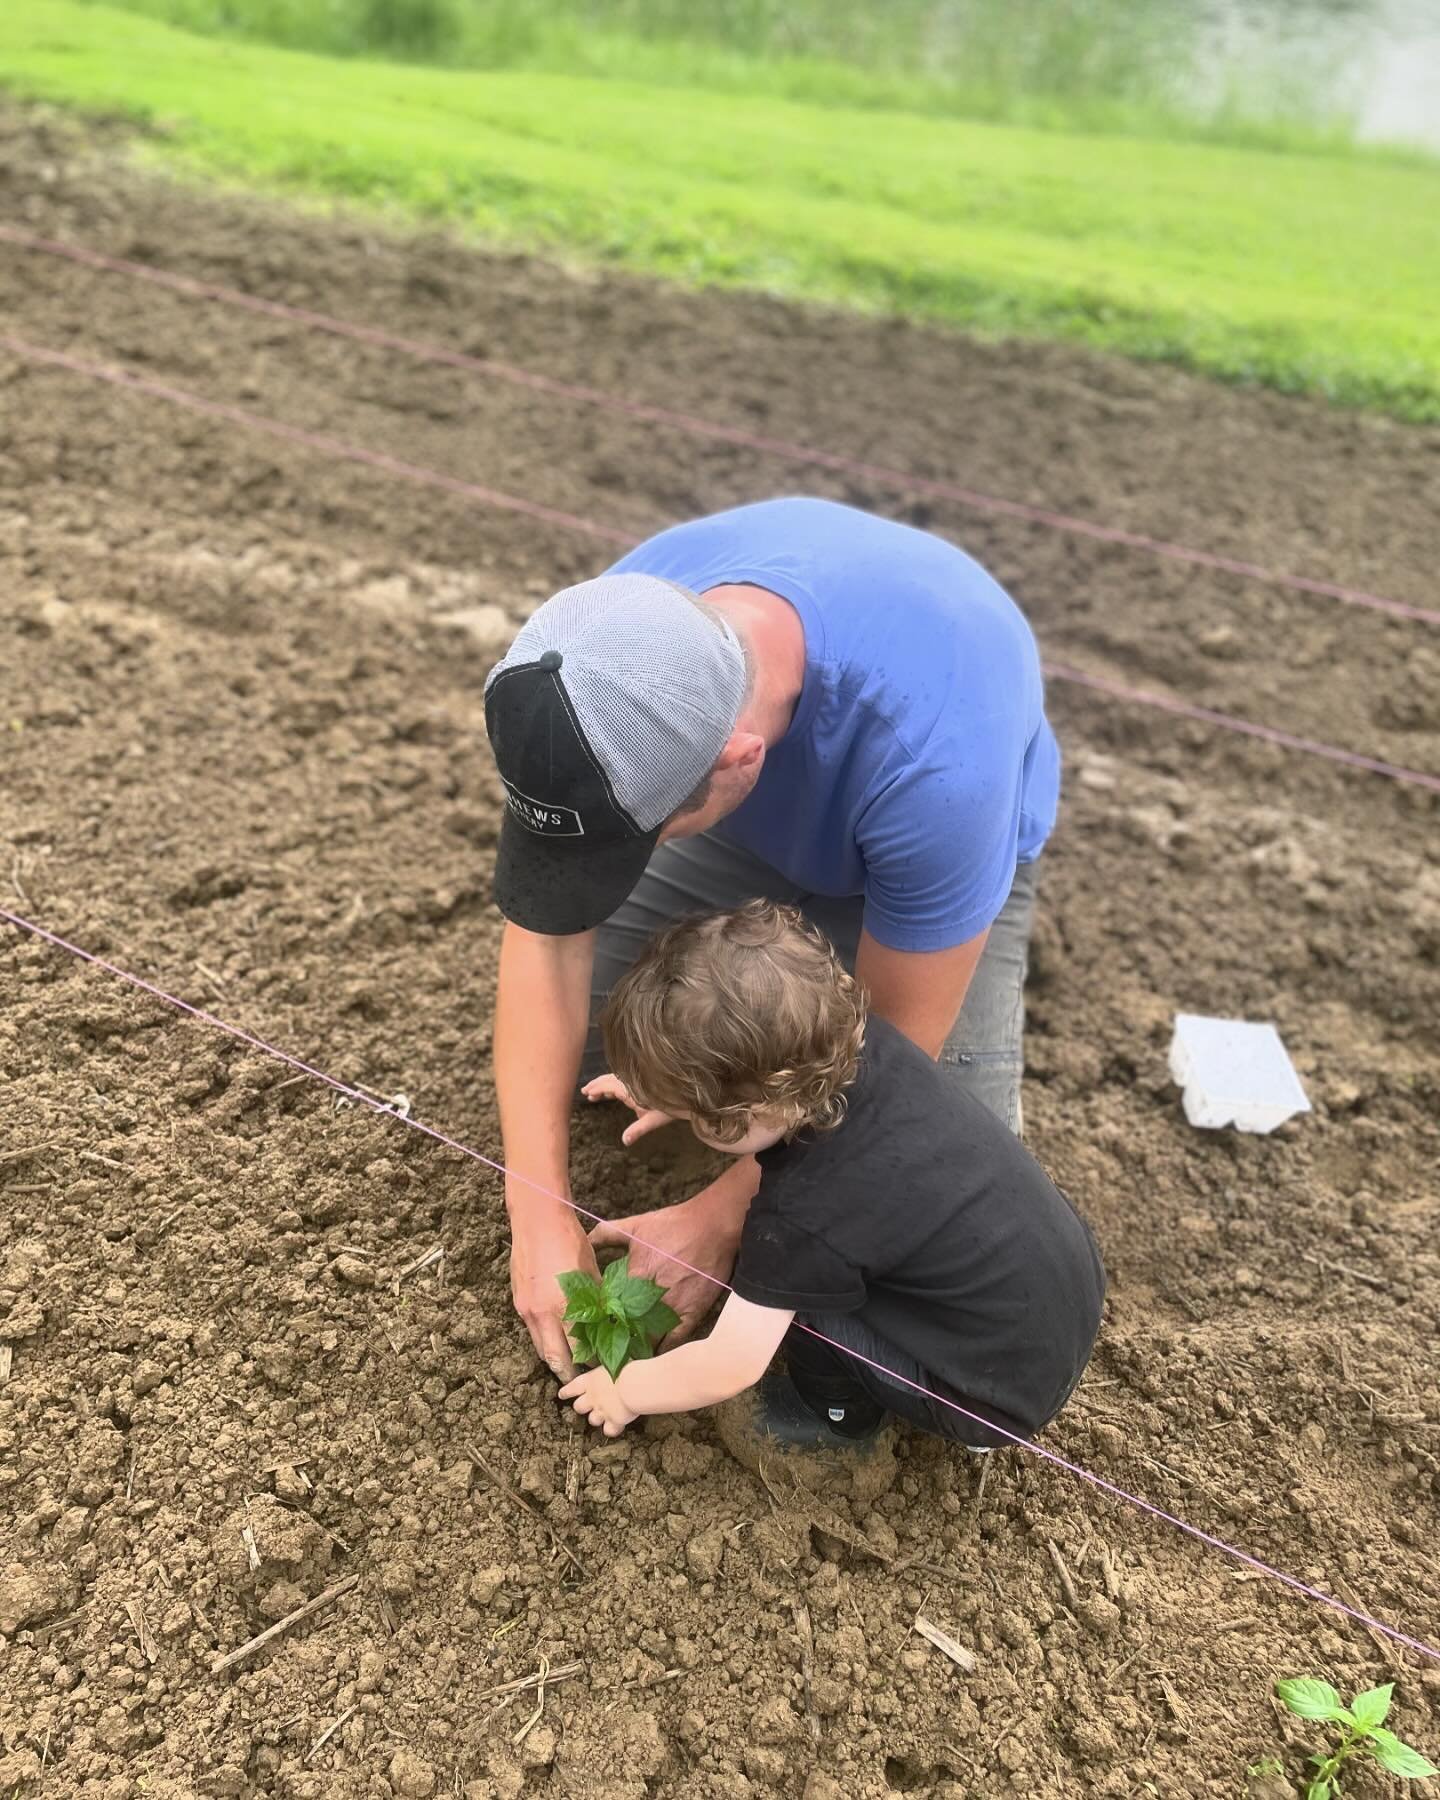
[(605, 714)]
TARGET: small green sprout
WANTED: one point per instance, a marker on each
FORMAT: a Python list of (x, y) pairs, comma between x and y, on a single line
[(1362, 1733), (616, 1319)]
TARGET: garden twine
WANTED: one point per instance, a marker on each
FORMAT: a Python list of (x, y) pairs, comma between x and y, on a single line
[(694, 426)]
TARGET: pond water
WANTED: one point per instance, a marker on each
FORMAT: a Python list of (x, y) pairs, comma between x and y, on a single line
[(1366, 69), (1373, 64)]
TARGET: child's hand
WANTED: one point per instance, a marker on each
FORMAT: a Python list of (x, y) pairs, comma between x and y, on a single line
[(611, 1087), (598, 1399)]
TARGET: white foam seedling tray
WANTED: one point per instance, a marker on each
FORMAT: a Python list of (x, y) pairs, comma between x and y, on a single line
[(1235, 1073)]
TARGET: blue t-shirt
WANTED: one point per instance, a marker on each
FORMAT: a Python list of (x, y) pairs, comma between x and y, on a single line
[(919, 767)]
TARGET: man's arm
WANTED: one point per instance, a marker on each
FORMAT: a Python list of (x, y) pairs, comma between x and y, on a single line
[(541, 1015), (919, 992)]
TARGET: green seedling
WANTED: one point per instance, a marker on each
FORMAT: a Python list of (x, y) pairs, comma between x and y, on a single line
[(616, 1319), (1363, 1737)]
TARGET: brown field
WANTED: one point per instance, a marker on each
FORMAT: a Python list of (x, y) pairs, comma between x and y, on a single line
[(242, 754)]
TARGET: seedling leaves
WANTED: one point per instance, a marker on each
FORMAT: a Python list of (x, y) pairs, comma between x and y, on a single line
[(1370, 1708), (1399, 1758), (632, 1293), (612, 1341), (1309, 1698), (580, 1290), (617, 1318), (660, 1319), (1360, 1733)]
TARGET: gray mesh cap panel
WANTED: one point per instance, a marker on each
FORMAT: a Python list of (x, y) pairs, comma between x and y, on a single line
[(656, 682)]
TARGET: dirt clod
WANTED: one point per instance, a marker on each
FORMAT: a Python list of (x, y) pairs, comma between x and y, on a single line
[(775, 1721), (17, 1769), (704, 1553), (537, 1751), (486, 1583), (280, 1599), (1100, 1615), (31, 1591), (411, 1777)]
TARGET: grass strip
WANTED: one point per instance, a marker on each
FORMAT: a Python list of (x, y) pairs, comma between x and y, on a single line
[(1311, 274)]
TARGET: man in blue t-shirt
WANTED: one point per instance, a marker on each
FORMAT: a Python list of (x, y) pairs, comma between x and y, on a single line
[(792, 700)]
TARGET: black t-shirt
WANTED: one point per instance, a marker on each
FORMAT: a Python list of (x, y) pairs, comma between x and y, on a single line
[(923, 1214)]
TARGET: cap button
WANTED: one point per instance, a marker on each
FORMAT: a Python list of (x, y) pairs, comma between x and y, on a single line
[(551, 661)]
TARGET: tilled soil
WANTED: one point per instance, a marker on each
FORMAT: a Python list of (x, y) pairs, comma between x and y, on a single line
[(243, 755)]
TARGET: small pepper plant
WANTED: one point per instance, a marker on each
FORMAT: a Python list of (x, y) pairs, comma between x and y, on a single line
[(1363, 1737), (616, 1319)]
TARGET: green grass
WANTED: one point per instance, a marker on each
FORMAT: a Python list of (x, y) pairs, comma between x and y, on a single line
[(1152, 68), (1309, 273), (1143, 67)]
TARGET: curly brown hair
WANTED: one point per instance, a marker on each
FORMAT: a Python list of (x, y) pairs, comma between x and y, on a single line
[(734, 1013)]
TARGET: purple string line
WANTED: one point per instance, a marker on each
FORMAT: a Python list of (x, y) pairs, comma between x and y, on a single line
[(391, 465), (699, 427), (313, 440), (360, 1097), (1269, 734)]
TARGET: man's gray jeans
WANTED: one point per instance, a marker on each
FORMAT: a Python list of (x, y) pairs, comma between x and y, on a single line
[(984, 1052)]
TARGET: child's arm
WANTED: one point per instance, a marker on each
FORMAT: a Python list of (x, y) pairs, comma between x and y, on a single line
[(733, 1357)]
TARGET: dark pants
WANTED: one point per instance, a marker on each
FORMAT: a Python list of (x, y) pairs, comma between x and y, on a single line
[(827, 1377)]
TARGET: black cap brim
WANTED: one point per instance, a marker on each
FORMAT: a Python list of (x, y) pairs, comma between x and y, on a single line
[(558, 887)]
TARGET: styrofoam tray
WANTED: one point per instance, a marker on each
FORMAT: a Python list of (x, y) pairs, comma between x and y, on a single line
[(1234, 1072)]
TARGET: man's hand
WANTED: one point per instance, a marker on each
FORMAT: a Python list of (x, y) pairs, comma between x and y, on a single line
[(703, 1231), (546, 1241), (611, 1087), (597, 1398)]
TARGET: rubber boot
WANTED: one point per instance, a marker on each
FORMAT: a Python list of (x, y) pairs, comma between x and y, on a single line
[(771, 1431), (839, 1421)]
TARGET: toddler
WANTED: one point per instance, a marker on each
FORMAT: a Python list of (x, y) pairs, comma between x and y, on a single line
[(895, 1214)]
